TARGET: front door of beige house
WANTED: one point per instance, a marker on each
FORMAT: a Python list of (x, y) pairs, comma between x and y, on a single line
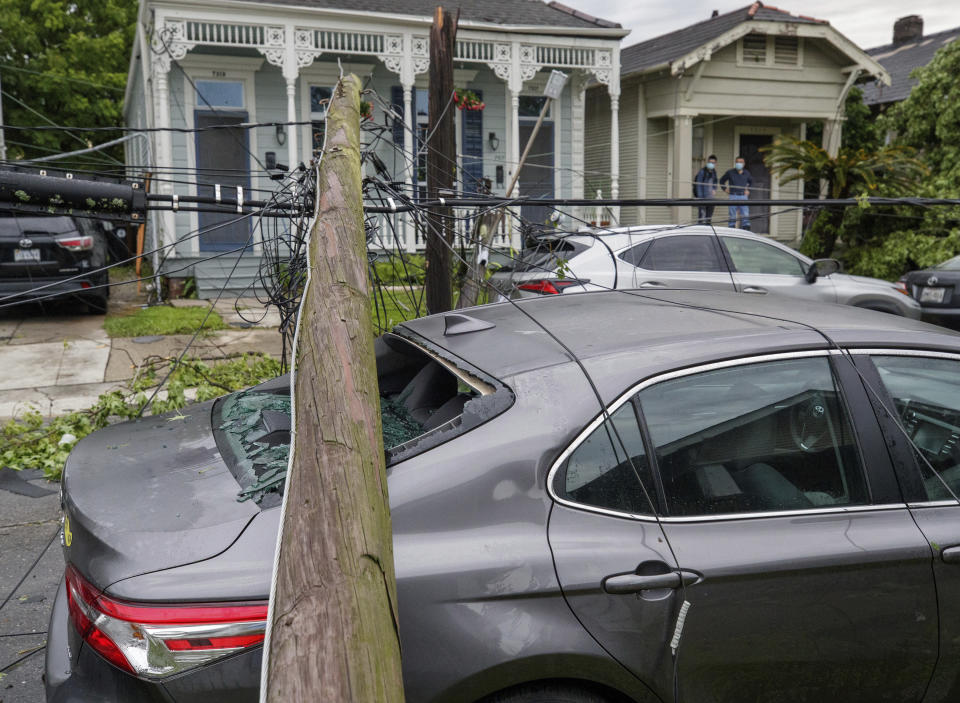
[(750, 145)]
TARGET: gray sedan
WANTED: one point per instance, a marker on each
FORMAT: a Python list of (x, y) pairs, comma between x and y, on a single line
[(730, 498), (703, 257)]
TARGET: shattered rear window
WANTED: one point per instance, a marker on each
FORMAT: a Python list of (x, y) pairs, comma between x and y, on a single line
[(256, 427), (425, 399)]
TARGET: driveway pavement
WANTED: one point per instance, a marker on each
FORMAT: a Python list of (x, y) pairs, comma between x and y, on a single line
[(32, 564), (59, 361)]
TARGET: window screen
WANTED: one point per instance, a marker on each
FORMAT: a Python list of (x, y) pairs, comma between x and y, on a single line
[(600, 474), (926, 393), (749, 256), (753, 438), (683, 253)]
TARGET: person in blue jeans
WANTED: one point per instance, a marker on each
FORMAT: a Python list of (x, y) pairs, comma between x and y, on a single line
[(737, 181), (705, 188)]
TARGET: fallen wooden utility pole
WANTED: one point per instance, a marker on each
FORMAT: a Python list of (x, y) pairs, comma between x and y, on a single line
[(333, 631), (441, 146)]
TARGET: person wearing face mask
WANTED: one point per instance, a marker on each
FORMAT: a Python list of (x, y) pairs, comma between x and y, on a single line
[(705, 187), (737, 181)]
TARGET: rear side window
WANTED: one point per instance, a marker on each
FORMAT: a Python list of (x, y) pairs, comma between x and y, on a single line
[(606, 469), (759, 437), (683, 253), (634, 255), (926, 393), (749, 256)]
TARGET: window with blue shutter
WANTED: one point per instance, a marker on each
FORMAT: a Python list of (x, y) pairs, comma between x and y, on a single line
[(472, 148), (396, 100)]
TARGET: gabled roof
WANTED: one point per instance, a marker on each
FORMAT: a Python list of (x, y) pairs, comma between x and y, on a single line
[(669, 47), (900, 60), (504, 12)]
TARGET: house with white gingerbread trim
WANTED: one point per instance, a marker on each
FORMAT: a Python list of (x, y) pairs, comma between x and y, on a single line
[(200, 63)]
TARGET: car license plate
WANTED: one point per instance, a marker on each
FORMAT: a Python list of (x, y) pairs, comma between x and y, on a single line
[(26, 255), (932, 295)]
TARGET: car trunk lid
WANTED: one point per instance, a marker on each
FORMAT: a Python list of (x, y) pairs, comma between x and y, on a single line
[(148, 495)]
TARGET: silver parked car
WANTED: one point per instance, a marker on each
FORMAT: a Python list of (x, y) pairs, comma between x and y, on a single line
[(797, 489), (699, 257)]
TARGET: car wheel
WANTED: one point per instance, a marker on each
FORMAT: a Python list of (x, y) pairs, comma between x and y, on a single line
[(550, 693)]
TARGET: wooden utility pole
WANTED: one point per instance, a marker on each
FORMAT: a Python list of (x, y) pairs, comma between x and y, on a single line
[(441, 146), (333, 630)]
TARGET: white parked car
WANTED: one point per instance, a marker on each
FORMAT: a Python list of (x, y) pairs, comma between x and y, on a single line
[(700, 256)]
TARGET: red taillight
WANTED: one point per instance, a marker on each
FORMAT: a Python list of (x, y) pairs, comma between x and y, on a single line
[(154, 641), (549, 286), (901, 287), (73, 242)]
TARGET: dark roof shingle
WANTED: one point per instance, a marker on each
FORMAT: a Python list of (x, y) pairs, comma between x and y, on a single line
[(506, 12), (671, 46), (900, 60)]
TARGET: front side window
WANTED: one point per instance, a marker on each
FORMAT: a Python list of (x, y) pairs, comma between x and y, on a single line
[(926, 393), (758, 437), (749, 256), (683, 253), (606, 469)]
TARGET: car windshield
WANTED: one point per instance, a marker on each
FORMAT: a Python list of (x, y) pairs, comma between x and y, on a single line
[(949, 265)]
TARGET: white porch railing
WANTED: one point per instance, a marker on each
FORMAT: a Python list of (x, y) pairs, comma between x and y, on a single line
[(400, 231)]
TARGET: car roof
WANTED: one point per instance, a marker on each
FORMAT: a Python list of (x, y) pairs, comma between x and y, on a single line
[(638, 332)]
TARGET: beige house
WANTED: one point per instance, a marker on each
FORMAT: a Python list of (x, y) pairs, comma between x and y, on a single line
[(724, 86)]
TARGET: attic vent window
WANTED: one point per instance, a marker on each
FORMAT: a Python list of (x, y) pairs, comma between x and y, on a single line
[(770, 51), (755, 48), (786, 51)]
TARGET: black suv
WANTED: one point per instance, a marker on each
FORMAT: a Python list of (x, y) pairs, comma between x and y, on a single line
[(43, 256)]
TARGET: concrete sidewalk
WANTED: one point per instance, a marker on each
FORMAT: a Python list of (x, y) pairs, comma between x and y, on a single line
[(62, 363)]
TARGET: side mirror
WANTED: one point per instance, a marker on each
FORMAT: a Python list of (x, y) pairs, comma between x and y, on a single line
[(821, 267)]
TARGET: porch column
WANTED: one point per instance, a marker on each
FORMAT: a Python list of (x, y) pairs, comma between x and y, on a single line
[(290, 70), (615, 154), (578, 89), (293, 154), (163, 151), (832, 131), (682, 165), (411, 158), (514, 137), (514, 161)]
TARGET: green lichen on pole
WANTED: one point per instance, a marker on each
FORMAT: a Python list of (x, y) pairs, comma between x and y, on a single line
[(334, 630)]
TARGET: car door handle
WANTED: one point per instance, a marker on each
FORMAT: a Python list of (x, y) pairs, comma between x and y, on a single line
[(755, 289), (652, 284), (951, 555), (634, 583)]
